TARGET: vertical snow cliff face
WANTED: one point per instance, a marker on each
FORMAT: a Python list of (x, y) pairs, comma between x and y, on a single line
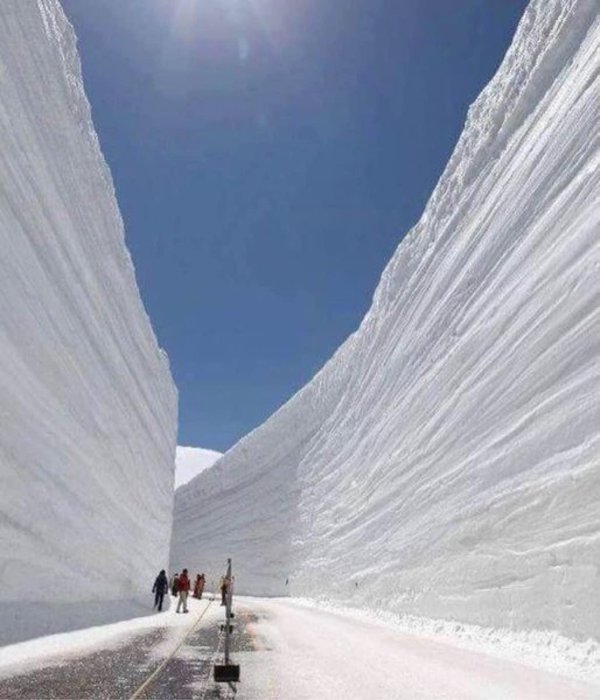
[(445, 463), (87, 403)]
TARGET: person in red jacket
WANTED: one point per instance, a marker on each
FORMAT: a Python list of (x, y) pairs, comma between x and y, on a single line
[(184, 589)]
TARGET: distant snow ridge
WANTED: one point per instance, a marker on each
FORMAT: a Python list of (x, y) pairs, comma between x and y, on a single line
[(445, 463), (87, 403), (191, 461)]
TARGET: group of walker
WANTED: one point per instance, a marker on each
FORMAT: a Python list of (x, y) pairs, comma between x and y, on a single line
[(180, 587)]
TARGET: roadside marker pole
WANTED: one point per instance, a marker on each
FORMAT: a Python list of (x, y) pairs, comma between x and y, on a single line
[(227, 672)]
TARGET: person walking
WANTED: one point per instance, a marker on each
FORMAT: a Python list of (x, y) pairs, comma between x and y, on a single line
[(184, 589), (161, 586), (224, 586), (175, 585), (198, 586)]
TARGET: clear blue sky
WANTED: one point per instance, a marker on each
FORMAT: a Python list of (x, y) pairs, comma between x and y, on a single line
[(268, 157)]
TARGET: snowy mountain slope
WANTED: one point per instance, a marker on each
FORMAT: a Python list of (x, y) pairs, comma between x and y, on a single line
[(87, 403), (445, 463), (191, 461)]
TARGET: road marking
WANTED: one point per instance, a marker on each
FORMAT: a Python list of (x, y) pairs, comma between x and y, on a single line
[(152, 676)]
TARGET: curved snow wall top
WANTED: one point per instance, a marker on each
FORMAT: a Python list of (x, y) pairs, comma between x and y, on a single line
[(445, 462), (87, 403)]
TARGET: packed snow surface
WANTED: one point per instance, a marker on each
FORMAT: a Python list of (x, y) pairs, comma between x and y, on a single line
[(87, 403), (445, 463), (191, 461), (302, 653)]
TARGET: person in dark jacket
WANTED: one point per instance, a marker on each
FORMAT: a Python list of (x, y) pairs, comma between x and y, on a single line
[(161, 586), (175, 585)]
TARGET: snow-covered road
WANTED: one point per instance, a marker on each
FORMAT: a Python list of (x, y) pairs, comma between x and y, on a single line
[(287, 651), (311, 653)]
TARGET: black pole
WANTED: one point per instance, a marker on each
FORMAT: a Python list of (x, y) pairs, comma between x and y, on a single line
[(228, 672), (228, 597)]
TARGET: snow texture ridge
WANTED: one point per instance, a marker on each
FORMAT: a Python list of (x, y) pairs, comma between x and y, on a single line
[(88, 406), (445, 463)]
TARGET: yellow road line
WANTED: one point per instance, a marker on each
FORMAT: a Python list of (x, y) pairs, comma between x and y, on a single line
[(152, 676)]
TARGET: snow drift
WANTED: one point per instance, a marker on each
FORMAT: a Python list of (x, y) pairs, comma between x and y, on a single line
[(191, 461), (445, 463), (87, 404)]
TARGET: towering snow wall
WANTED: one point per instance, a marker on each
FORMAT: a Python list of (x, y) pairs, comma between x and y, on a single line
[(87, 404), (445, 463)]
